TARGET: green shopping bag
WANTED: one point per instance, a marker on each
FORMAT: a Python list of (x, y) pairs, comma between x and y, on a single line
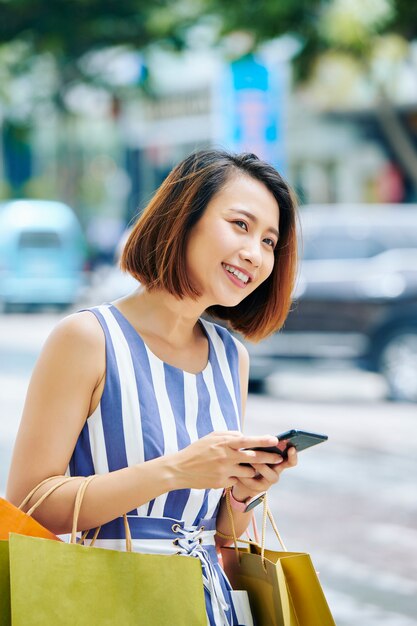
[(63, 584), (13, 519), (4, 584)]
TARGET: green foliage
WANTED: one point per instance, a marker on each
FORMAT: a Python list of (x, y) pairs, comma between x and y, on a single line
[(404, 19), (67, 31), (267, 19), (70, 29)]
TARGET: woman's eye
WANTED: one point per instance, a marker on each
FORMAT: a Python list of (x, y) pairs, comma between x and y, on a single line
[(241, 224), (270, 242)]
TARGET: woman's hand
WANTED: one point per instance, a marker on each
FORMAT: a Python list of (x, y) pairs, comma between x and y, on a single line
[(215, 461), (265, 477)]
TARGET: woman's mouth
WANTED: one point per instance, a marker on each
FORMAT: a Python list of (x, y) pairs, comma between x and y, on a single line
[(236, 276)]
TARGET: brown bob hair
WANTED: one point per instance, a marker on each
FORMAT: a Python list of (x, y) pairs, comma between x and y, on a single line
[(155, 252)]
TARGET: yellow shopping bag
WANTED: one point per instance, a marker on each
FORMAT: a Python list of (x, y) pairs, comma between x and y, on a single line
[(283, 587)]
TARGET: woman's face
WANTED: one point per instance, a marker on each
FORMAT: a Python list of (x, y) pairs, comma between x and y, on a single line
[(230, 250)]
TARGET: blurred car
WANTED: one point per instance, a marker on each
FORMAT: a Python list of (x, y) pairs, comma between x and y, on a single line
[(42, 254), (355, 298), (356, 295)]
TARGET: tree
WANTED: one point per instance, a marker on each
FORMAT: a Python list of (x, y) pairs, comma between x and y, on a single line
[(60, 36), (68, 31), (63, 33)]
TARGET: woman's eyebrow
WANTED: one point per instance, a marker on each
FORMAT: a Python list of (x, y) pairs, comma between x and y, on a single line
[(255, 220)]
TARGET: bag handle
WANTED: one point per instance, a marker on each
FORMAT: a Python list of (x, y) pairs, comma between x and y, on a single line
[(248, 541), (77, 508), (64, 479), (254, 528), (266, 514)]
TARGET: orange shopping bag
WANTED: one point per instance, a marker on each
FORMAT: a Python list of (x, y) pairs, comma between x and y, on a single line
[(13, 519)]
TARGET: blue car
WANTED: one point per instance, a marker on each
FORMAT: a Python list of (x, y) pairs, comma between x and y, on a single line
[(42, 254)]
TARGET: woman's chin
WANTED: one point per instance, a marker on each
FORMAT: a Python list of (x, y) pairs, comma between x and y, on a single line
[(229, 302)]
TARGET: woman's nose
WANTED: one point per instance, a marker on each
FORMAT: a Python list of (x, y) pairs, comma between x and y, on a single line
[(252, 254)]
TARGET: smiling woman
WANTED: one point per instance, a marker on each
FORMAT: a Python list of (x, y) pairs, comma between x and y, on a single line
[(149, 396), (249, 193)]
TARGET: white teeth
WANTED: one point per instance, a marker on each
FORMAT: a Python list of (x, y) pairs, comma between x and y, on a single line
[(236, 272)]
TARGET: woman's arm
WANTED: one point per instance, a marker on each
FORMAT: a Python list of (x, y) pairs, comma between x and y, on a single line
[(59, 399), (64, 390)]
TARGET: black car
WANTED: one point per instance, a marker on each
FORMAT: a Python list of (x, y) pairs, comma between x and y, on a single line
[(356, 295)]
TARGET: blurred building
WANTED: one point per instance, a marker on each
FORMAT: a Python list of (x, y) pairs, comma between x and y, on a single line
[(197, 102), (109, 154)]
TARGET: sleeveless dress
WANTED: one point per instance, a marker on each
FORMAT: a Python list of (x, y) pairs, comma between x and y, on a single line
[(150, 408)]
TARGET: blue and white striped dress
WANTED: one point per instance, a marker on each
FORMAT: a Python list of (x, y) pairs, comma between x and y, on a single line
[(148, 409)]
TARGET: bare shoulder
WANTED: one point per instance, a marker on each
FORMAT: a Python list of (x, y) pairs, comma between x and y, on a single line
[(79, 340), (82, 327)]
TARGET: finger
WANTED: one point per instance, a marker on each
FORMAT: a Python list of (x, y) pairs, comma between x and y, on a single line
[(266, 472), (292, 457), (254, 442), (225, 434), (259, 457), (244, 471), (291, 461)]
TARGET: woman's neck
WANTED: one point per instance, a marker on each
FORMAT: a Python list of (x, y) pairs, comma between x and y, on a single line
[(162, 315)]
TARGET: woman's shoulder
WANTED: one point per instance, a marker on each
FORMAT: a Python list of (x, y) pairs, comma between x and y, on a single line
[(77, 333), (81, 324), (74, 352)]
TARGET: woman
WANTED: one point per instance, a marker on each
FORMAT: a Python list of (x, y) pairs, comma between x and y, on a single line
[(150, 397)]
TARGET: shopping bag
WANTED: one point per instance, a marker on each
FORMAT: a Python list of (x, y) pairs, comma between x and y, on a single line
[(283, 587), (13, 519), (77, 584), (4, 584)]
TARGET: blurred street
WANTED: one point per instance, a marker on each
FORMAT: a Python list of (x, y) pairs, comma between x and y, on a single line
[(351, 503)]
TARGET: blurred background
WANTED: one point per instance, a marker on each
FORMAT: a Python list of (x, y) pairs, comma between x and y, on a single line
[(98, 100)]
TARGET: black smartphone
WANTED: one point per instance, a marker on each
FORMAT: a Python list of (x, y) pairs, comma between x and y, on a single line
[(299, 439)]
